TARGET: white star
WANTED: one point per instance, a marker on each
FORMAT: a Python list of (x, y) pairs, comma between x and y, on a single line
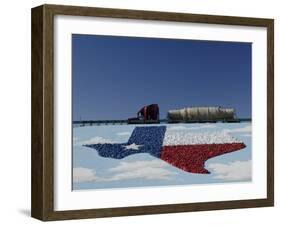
[(132, 146)]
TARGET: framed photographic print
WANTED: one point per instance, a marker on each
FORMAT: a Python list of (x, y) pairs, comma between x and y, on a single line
[(141, 112)]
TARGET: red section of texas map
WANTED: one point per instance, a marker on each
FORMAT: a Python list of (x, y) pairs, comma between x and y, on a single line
[(191, 158)]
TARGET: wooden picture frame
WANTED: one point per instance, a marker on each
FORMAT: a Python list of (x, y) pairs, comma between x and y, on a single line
[(42, 203)]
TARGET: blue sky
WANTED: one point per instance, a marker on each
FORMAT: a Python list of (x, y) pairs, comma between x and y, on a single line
[(113, 77)]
